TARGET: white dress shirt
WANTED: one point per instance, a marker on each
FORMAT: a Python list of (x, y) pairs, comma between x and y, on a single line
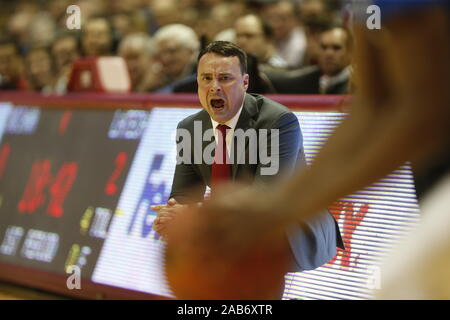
[(230, 132)]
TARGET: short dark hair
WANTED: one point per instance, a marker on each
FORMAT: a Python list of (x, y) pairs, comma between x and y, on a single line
[(226, 49), (349, 40)]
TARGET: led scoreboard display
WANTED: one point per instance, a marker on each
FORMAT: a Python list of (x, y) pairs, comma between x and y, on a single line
[(62, 174), (76, 186)]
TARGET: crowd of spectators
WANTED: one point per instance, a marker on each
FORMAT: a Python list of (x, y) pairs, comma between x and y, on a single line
[(293, 46)]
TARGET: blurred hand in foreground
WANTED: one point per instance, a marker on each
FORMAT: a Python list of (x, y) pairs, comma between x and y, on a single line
[(234, 219), (165, 214), (220, 252)]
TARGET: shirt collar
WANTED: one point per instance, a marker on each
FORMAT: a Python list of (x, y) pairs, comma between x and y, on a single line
[(326, 82), (232, 122)]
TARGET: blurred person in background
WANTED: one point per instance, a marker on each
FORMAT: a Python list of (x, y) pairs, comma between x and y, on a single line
[(11, 67), (41, 30), (19, 22), (177, 47), (137, 49), (129, 16), (119, 6), (219, 18), (330, 76), (255, 37), (289, 35), (313, 10), (97, 37), (316, 17), (314, 30), (259, 81), (65, 50), (57, 10), (39, 70), (123, 23), (189, 11), (335, 51), (165, 12), (209, 4), (92, 8)]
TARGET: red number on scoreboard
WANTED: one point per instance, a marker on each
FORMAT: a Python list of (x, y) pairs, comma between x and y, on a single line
[(33, 196), (64, 122), (40, 179), (60, 188), (352, 219), (4, 155), (121, 161)]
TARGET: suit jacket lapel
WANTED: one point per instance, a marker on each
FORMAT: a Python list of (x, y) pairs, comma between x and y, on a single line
[(206, 124), (246, 121)]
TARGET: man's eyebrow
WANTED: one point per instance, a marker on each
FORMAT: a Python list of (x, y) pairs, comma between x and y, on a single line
[(211, 73)]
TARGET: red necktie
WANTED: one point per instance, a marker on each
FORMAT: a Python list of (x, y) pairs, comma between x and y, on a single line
[(221, 168)]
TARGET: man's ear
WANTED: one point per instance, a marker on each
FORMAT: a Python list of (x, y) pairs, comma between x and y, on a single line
[(246, 81)]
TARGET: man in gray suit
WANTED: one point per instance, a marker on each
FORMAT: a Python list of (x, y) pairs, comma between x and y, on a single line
[(271, 148)]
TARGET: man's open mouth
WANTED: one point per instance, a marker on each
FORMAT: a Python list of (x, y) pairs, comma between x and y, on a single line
[(217, 104)]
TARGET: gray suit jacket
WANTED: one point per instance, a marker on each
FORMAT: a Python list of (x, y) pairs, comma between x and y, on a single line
[(313, 243)]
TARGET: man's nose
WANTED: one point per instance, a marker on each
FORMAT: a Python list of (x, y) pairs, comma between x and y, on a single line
[(215, 86), (330, 51)]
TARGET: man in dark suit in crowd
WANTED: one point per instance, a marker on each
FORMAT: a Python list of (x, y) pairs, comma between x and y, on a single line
[(228, 112), (330, 76)]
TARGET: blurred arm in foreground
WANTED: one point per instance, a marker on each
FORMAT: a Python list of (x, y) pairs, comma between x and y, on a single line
[(401, 113)]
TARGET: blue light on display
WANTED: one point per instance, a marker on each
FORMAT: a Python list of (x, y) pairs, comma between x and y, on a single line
[(132, 254)]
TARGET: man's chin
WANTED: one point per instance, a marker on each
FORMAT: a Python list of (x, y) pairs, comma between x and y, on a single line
[(219, 118)]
